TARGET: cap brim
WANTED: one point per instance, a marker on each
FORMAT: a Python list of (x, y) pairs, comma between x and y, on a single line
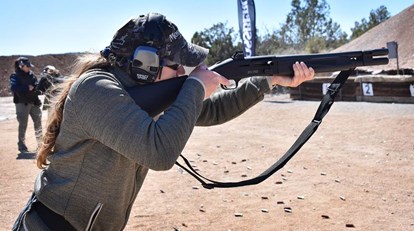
[(187, 54), (28, 64)]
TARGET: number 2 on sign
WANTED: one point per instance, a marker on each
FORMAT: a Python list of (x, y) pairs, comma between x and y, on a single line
[(367, 89)]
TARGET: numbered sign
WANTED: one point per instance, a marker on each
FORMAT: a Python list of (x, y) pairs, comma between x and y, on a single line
[(325, 87), (412, 89), (367, 89)]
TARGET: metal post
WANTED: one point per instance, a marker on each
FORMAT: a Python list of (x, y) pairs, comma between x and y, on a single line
[(393, 53)]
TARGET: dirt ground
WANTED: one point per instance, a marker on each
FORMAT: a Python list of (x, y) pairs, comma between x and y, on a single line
[(355, 173)]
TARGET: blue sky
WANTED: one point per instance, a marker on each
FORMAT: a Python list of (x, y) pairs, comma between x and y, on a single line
[(53, 27)]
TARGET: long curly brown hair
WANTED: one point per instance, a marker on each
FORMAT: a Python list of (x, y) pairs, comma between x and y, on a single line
[(82, 64)]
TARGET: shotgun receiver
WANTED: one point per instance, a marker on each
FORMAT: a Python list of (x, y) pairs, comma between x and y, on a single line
[(156, 97)]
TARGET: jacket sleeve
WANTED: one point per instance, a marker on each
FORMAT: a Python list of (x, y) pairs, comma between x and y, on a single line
[(16, 86), (43, 85), (107, 114), (228, 104), (35, 83)]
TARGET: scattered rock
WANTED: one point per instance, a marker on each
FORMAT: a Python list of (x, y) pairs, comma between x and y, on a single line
[(287, 209), (323, 173), (265, 198), (301, 197), (280, 202), (325, 216), (350, 225), (265, 211), (181, 171), (342, 198), (278, 182), (238, 214)]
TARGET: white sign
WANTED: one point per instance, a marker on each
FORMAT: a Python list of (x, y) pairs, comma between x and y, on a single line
[(325, 88), (367, 89), (412, 89)]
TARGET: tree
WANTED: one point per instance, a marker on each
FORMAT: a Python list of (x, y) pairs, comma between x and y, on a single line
[(375, 17), (307, 27), (309, 22), (219, 40)]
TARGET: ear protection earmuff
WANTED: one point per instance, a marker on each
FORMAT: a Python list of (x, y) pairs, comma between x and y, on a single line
[(145, 63)]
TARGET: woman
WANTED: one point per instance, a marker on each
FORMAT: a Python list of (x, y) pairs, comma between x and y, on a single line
[(99, 145), (26, 99)]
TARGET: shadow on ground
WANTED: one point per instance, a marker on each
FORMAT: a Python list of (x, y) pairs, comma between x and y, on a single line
[(26, 156)]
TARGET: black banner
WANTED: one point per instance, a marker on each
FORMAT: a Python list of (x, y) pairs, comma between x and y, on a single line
[(247, 26)]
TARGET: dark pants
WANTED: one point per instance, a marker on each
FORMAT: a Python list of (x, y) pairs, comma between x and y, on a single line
[(29, 219), (36, 216), (23, 111)]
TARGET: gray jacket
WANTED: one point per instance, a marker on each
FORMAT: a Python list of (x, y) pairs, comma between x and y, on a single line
[(107, 144)]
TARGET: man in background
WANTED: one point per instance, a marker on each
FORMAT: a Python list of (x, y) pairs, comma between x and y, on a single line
[(48, 84)]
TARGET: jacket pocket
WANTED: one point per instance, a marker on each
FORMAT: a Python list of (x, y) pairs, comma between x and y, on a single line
[(94, 216)]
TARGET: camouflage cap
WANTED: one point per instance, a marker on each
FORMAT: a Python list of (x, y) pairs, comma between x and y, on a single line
[(156, 31), (24, 61)]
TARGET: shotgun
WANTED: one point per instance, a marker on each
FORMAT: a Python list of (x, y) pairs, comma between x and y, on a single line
[(157, 97)]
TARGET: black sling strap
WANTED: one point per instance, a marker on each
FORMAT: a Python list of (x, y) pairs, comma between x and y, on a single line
[(325, 105)]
